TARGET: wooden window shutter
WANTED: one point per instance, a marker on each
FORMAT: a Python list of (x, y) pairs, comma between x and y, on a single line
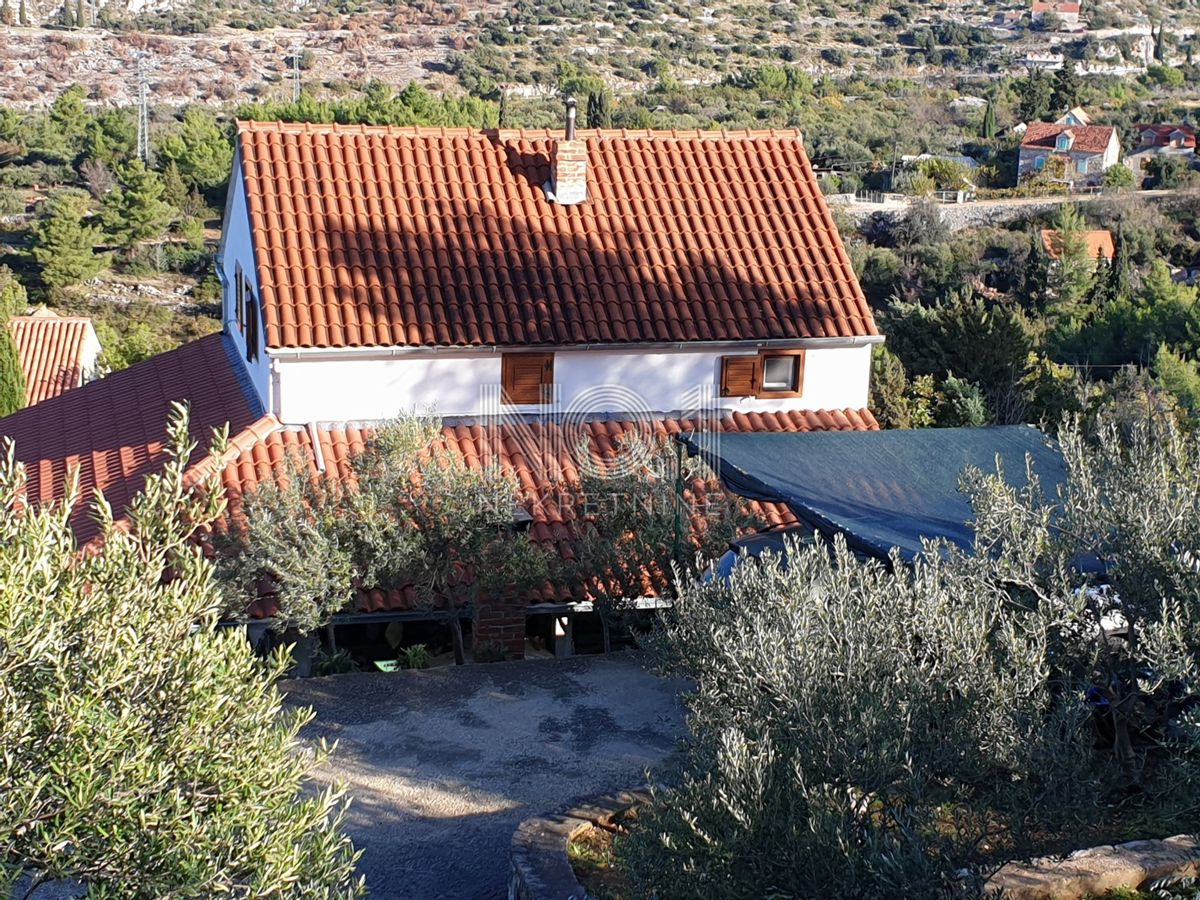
[(740, 376), (526, 377), (239, 297), (251, 327)]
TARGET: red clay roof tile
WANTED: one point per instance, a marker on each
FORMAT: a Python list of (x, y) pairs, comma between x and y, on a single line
[(113, 428), (53, 352), (540, 461), (428, 236), (1088, 138)]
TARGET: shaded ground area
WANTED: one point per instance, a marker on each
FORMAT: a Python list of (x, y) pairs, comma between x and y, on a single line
[(443, 764)]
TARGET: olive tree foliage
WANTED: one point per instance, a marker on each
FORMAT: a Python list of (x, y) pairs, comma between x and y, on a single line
[(143, 751), (873, 731), (645, 518), (412, 515)]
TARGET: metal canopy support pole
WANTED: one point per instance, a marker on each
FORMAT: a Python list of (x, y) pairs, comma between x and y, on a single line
[(564, 635)]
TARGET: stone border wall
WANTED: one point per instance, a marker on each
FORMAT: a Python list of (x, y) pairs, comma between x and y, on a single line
[(1095, 872), (540, 868)]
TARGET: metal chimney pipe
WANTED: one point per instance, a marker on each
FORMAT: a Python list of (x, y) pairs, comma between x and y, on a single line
[(570, 135)]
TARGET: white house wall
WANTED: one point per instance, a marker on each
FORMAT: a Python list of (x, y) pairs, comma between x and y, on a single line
[(454, 383), (237, 248)]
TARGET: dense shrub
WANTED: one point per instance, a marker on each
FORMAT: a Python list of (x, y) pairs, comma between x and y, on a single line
[(866, 731), (147, 753)]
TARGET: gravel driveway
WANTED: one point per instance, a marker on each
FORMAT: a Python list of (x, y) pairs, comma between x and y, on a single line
[(443, 764)]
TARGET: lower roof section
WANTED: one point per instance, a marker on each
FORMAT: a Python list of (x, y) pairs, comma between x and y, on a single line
[(541, 456), (113, 429)]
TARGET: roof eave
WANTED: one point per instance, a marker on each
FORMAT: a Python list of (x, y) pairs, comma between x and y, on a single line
[(390, 352)]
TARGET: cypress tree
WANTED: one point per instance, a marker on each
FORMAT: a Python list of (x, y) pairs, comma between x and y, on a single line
[(1118, 272), (1160, 46), (23, 15), (989, 121), (6, 13), (502, 120), (13, 299), (599, 110), (66, 17), (12, 379), (80, 18)]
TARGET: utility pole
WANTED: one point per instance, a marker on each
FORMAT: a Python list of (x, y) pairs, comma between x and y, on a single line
[(296, 72), (143, 122)]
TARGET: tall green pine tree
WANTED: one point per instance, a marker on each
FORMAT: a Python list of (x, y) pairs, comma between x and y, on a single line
[(1037, 92), (135, 210), (1067, 84), (23, 15), (63, 244), (1160, 45)]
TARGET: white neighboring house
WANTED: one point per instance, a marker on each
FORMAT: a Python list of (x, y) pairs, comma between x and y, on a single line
[(373, 270)]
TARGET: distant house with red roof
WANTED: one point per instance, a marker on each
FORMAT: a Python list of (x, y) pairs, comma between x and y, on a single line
[(1067, 11), (1159, 141), (56, 352), (1073, 154), (537, 289), (1099, 244)]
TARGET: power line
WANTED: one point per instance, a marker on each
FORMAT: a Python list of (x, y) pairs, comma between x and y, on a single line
[(296, 72), (143, 92)]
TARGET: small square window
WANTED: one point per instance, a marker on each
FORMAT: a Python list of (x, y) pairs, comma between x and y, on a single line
[(779, 373)]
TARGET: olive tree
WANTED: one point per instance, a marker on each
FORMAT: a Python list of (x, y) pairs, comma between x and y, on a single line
[(645, 518), (144, 751), (876, 730), (412, 515)]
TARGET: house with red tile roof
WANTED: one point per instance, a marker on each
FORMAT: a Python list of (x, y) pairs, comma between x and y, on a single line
[(56, 352), (370, 270), (1073, 154), (1158, 142), (536, 289), (1067, 11)]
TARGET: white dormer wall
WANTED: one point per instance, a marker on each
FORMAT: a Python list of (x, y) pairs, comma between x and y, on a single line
[(237, 249), (378, 383), (1112, 153), (90, 355)]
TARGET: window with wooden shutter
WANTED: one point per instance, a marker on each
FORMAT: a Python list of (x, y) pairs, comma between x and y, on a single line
[(739, 376), (527, 377), (782, 374)]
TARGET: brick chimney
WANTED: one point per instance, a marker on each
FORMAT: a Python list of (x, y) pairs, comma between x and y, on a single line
[(568, 164)]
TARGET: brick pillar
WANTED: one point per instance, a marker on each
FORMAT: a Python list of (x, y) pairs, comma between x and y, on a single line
[(501, 621)]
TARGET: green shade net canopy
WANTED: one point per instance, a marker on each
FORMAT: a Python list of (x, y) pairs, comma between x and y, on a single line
[(880, 489)]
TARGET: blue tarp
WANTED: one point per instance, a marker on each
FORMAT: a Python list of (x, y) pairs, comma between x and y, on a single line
[(881, 489)]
